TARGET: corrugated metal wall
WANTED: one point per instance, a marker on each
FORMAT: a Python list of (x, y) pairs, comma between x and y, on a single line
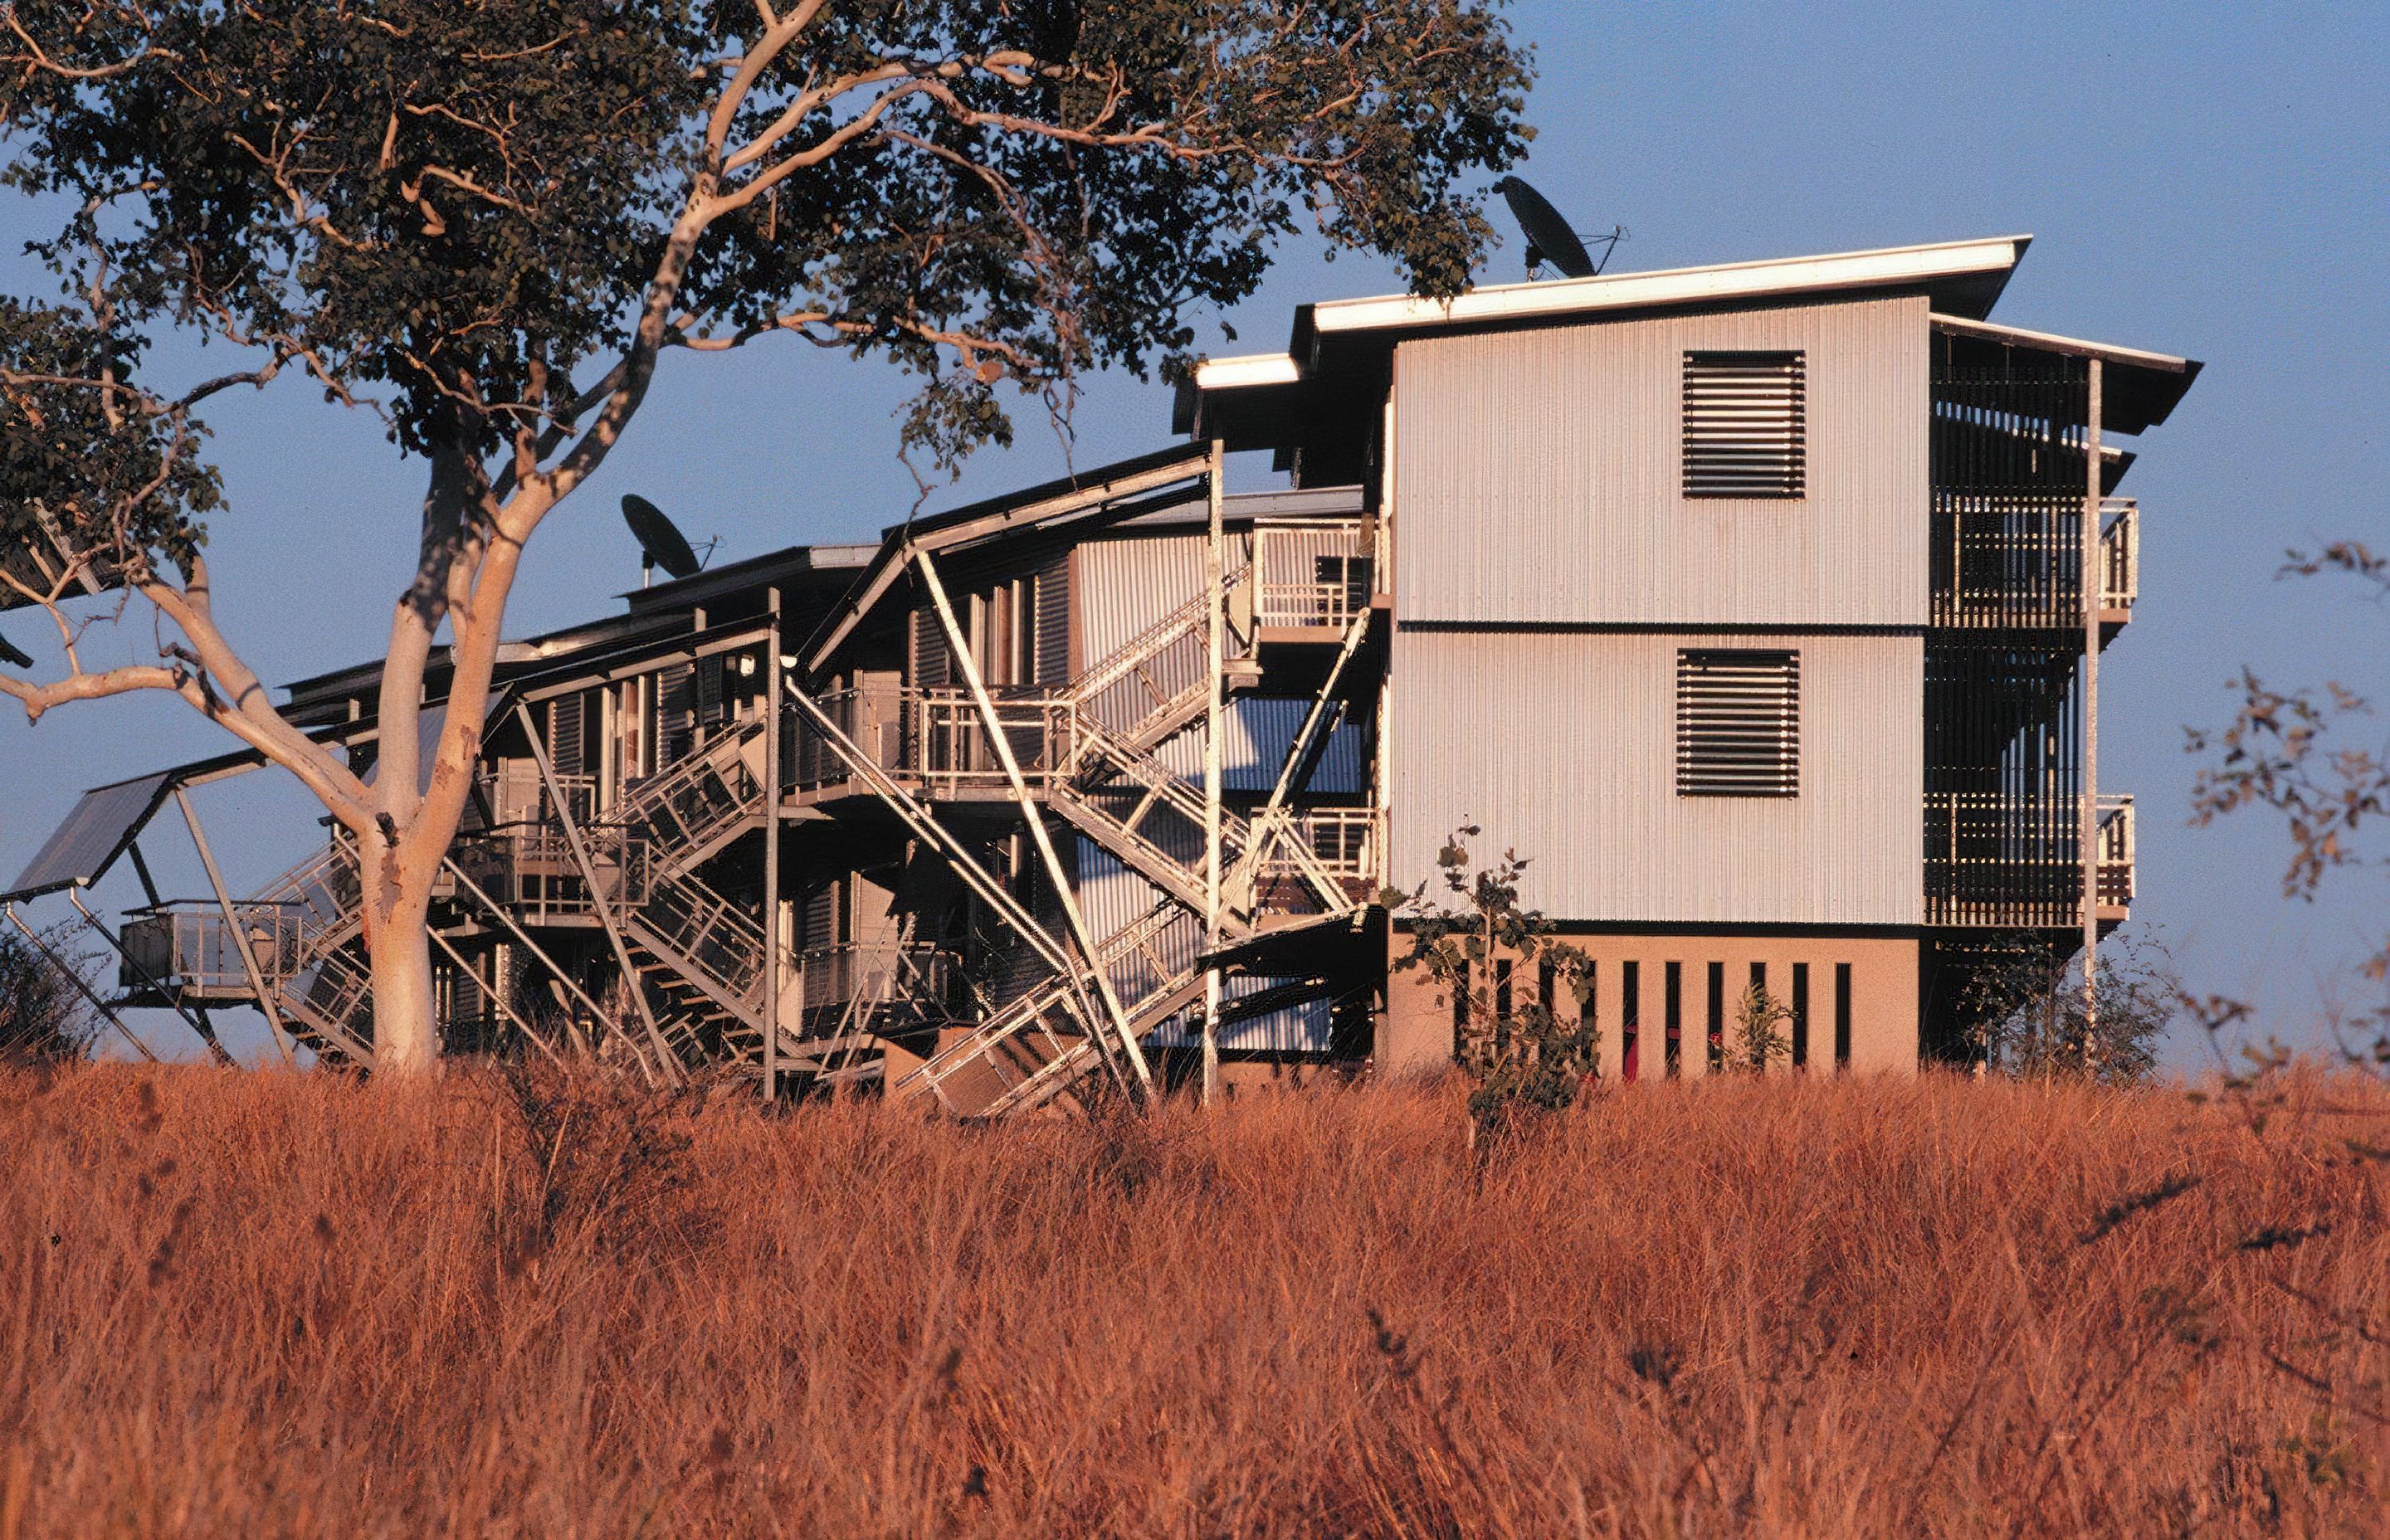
[(1539, 476), (1260, 733), (1126, 585), (1562, 745)]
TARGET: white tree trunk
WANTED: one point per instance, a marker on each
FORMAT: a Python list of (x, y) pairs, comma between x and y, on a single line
[(407, 1038), (398, 945)]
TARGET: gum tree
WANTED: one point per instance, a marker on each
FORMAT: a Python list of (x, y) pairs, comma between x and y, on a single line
[(485, 221)]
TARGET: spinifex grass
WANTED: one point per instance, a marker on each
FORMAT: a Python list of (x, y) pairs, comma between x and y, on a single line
[(265, 1303)]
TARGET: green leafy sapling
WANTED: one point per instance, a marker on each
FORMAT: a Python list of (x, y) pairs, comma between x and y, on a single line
[(1504, 970)]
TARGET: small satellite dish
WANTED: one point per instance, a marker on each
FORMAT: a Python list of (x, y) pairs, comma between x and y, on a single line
[(1549, 240), (13, 655), (660, 544)]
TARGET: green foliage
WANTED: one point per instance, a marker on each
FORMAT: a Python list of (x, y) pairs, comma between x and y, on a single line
[(42, 1014), (1761, 1032), (456, 205), (1485, 952), (2026, 1016), (108, 471)]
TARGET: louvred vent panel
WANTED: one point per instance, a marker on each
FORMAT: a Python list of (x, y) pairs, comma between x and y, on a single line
[(1744, 429), (1738, 724)]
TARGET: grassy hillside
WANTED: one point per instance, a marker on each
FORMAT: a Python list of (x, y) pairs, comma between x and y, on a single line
[(262, 1304)]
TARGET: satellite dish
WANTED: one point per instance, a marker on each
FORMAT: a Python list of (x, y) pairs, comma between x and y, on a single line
[(13, 655), (660, 544), (1549, 240)]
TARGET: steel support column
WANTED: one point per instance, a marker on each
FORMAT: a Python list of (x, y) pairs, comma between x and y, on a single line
[(1215, 619), (959, 644), (2092, 585), (916, 819), (668, 1064), (1264, 829), (596, 1011), (772, 771), (497, 997), (239, 937), (76, 979), (206, 1033)]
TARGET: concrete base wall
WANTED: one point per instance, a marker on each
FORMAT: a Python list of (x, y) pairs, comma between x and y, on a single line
[(1416, 1035)]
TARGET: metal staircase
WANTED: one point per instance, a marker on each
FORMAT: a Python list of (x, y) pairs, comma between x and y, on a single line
[(1030, 1050), (314, 965), (701, 958), (1114, 790)]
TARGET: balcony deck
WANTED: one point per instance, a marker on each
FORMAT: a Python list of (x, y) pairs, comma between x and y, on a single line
[(1994, 862), (2015, 562)]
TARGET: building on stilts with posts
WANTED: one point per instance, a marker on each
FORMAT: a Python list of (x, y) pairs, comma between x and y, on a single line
[(1761, 605)]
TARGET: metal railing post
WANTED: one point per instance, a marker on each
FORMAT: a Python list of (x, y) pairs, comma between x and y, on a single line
[(2092, 492), (961, 646), (670, 1064), (241, 938), (1215, 620)]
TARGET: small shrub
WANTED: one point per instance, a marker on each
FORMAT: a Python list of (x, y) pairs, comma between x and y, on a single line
[(1761, 1036), (1495, 958)]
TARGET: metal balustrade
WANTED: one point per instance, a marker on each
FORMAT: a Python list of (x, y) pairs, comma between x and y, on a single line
[(1346, 843), (862, 985), (2120, 553), (2015, 560), (531, 868), (947, 744), (1313, 572), (185, 947), (2003, 859)]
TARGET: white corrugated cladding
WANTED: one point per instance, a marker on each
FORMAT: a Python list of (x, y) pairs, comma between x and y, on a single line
[(1540, 476), (1126, 585), (1261, 732), (1562, 745)]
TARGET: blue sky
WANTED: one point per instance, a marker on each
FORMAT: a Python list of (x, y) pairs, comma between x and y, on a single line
[(2207, 180)]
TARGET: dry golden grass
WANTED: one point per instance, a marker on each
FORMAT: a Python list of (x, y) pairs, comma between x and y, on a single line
[(271, 1305)]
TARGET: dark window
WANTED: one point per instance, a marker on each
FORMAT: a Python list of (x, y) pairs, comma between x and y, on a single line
[(1738, 722), (1841, 1014), (1501, 988), (1673, 983), (1800, 1015), (1630, 1016), (1744, 433), (1718, 1017)]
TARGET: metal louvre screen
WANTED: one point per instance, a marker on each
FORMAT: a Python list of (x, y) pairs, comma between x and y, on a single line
[(1738, 724), (675, 713), (1744, 425), (566, 749)]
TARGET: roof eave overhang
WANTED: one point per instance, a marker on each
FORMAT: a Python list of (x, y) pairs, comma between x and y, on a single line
[(1269, 400), (1964, 278), (2140, 388)]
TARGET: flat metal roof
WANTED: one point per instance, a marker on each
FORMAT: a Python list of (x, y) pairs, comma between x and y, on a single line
[(1974, 271)]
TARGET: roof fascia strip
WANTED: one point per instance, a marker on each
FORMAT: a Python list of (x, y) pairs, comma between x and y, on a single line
[(1888, 267), (904, 542), (2049, 342)]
